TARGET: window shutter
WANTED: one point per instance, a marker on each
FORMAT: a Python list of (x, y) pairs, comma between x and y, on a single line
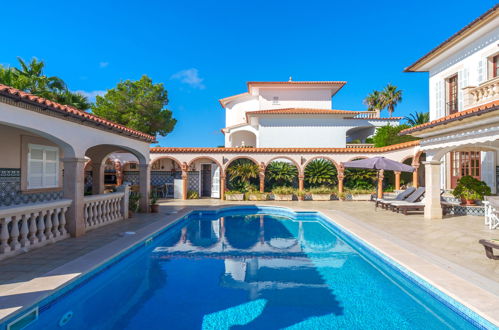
[(439, 106), (488, 170), (462, 81), (43, 167), (481, 71), (215, 181)]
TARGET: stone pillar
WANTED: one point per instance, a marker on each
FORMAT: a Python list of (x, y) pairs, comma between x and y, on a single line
[(341, 176), (125, 201), (222, 187), (397, 180), (73, 186), (261, 175), (98, 177), (415, 176), (144, 186), (381, 176), (301, 180), (433, 208), (185, 177)]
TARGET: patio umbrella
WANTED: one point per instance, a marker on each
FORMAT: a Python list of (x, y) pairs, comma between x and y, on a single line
[(379, 163)]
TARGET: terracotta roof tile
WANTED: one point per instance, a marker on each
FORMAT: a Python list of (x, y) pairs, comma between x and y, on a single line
[(475, 111), (21, 96), (167, 150)]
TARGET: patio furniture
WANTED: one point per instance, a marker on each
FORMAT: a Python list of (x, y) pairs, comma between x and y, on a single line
[(400, 197), (490, 245), (411, 200), (491, 205)]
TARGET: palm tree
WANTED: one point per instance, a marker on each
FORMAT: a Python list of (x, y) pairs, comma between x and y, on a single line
[(390, 97), (418, 118), (281, 173), (243, 170), (76, 100), (320, 171), (37, 82), (374, 101)]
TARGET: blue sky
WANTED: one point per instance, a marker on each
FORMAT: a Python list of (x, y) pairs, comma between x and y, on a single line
[(206, 50)]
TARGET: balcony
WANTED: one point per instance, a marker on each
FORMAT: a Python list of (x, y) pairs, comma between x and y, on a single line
[(481, 94)]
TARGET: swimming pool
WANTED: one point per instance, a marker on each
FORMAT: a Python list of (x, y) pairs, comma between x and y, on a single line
[(252, 268)]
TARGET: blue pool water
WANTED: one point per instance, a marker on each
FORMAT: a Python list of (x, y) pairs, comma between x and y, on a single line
[(239, 269)]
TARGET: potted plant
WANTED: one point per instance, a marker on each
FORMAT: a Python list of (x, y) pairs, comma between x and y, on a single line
[(133, 204), (360, 194), (322, 193), (234, 195), (470, 190), (192, 194), (283, 193), (153, 203), (256, 196)]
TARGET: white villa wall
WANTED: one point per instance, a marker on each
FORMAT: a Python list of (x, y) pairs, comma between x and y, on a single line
[(469, 62), (235, 112), (295, 98), (309, 132)]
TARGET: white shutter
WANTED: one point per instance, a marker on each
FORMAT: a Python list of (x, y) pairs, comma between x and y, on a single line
[(215, 181), (481, 70), (439, 99), (462, 81), (43, 166), (488, 169)]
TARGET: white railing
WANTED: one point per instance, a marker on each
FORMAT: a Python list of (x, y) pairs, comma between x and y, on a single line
[(360, 145), (28, 226), (100, 210), (368, 114), (484, 93)]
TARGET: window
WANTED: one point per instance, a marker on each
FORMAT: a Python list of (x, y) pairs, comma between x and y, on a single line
[(275, 100), (451, 95), (43, 166), (465, 163), (495, 66)]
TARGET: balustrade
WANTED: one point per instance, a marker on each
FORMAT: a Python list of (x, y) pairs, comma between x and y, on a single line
[(103, 209)]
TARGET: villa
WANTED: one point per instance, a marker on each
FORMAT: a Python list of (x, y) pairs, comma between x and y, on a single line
[(81, 247)]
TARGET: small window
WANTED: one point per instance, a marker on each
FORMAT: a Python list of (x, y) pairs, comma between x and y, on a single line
[(275, 100), (43, 166), (495, 66)]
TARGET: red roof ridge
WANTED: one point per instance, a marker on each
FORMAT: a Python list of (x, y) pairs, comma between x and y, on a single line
[(284, 150), (9, 91), (490, 106)]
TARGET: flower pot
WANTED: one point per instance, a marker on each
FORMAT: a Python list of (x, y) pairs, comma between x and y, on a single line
[(234, 197), (361, 197), (321, 197), (470, 202), (154, 208), (257, 197), (286, 197)]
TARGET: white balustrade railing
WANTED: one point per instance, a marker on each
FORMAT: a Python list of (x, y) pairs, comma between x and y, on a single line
[(360, 145), (28, 226), (100, 210), (367, 114), (487, 91)]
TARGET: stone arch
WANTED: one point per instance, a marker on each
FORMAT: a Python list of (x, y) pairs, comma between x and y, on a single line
[(210, 158), (242, 138), (298, 167), (102, 152), (239, 157), (179, 163), (337, 165)]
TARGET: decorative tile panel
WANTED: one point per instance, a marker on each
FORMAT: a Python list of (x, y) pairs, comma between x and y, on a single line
[(193, 180), (159, 178), (131, 177), (10, 190)]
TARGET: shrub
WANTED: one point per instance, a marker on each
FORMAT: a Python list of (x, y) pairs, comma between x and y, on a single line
[(283, 191), (192, 194), (233, 192), (133, 202), (321, 190), (281, 173), (320, 172), (388, 135), (470, 188)]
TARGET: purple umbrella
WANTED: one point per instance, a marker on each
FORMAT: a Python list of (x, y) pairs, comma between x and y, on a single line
[(379, 163)]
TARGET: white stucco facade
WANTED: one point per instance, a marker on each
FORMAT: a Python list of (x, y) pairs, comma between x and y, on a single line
[(295, 114)]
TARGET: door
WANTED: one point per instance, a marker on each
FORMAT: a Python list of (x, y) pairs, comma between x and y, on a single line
[(215, 181), (206, 180), (465, 163)]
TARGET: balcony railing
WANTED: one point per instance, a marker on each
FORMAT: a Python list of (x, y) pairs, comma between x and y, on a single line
[(451, 107), (101, 210), (484, 93), (367, 114), (29, 226), (360, 145)]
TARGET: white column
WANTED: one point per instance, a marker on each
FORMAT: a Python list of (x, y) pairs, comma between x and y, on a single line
[(433, 208), (145, 186), (73, 185)]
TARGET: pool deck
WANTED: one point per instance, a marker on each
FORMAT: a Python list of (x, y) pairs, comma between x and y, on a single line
[(445, 252)]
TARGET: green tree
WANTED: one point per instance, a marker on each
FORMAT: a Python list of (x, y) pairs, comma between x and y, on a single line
[(319, 172), (374, 101), (388, 135), (417, 118), (137, 104), (241, 173), (279, 174), (390, 97)]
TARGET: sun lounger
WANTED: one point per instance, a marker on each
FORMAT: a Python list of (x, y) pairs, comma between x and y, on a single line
[(410, 200), (490, 245), (400, 197), (419, 206)]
